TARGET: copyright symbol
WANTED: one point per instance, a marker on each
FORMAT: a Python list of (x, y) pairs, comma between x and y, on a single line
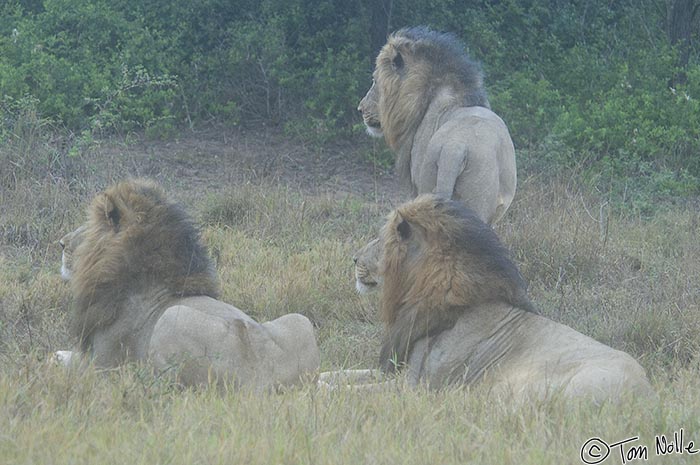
[(595, 450)]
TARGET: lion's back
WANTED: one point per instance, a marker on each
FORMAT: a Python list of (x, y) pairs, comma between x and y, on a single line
[(486, 178), (542, 358), (201, 338)]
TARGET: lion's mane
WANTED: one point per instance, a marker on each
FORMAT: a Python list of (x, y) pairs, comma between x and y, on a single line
[(135, 238), (438, 261)]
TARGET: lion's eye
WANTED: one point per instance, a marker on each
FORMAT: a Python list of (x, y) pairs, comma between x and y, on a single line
[(62, 244)]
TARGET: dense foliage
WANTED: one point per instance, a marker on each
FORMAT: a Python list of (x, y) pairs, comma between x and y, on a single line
[(585, 84)]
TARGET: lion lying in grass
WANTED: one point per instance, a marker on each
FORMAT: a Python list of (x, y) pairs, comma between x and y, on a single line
[(145, 289), (456, 312), (428, 102)]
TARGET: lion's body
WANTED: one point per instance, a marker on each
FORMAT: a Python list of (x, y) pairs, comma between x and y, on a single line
[(222, 342), (456, 311), (429, 103), (465, 154), (145, 290), (515, 352)]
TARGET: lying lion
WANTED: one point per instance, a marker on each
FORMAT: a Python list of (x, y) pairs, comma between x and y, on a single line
[(145, 289), (428, 102), (456, 312)]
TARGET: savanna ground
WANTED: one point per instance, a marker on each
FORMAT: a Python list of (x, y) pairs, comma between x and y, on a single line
[(282, 220)]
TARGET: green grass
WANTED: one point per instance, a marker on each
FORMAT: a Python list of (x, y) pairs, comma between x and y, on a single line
[(630, 282)]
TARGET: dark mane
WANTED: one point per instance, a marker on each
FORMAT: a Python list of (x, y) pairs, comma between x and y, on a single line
[(480, 242), (448, 56)]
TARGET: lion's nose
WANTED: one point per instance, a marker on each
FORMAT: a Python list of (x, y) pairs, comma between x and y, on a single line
[(354, 260)]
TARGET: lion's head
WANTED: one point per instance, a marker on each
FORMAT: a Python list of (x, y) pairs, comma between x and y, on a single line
[(413, 65), (369, 107), (134, 239), (438, 259)]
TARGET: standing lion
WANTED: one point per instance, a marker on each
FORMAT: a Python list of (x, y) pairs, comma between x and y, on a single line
[(146, 290), (429, 103)]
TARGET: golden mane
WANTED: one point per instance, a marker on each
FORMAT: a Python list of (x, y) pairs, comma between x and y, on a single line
[(135, 239), (414, 64), (438, 261)]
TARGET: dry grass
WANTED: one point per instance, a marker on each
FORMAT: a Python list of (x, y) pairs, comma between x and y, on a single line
[(629, 282), (53, 416)]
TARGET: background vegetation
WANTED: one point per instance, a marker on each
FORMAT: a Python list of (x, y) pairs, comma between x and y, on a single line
[(601, 99), (611, 88)]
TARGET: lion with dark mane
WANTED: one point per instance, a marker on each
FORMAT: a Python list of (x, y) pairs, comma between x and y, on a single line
[(456, 311), (145, 289), (429, 103)]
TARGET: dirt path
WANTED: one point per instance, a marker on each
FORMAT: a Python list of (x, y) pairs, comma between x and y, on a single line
[(204, 162)]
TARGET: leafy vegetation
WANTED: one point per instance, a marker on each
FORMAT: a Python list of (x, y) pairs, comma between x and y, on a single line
[(590, 85)]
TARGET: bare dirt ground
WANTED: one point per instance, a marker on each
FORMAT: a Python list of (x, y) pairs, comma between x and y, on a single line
[(200, 163)]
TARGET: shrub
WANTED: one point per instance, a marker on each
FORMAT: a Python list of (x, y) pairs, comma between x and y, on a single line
[(572, 72), (73, 58)]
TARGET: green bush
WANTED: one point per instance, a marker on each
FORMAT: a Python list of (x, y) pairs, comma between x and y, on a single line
[(338, 92), (590, 79), (529, 106), (73, 57), (633, 125)]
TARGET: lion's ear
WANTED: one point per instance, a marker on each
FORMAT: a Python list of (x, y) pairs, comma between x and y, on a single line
[(397, 61), (112, 215), (404, 230)]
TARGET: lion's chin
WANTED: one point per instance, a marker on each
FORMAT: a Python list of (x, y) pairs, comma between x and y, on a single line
[(365, 288), (374, 131), (65, 273)]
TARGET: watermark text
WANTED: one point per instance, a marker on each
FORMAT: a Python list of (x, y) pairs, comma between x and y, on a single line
[(597, 450)]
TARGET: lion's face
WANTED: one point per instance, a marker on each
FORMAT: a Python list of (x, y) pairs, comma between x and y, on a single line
[(397, 99), (367, 277), (69, 243), (369, 106)]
